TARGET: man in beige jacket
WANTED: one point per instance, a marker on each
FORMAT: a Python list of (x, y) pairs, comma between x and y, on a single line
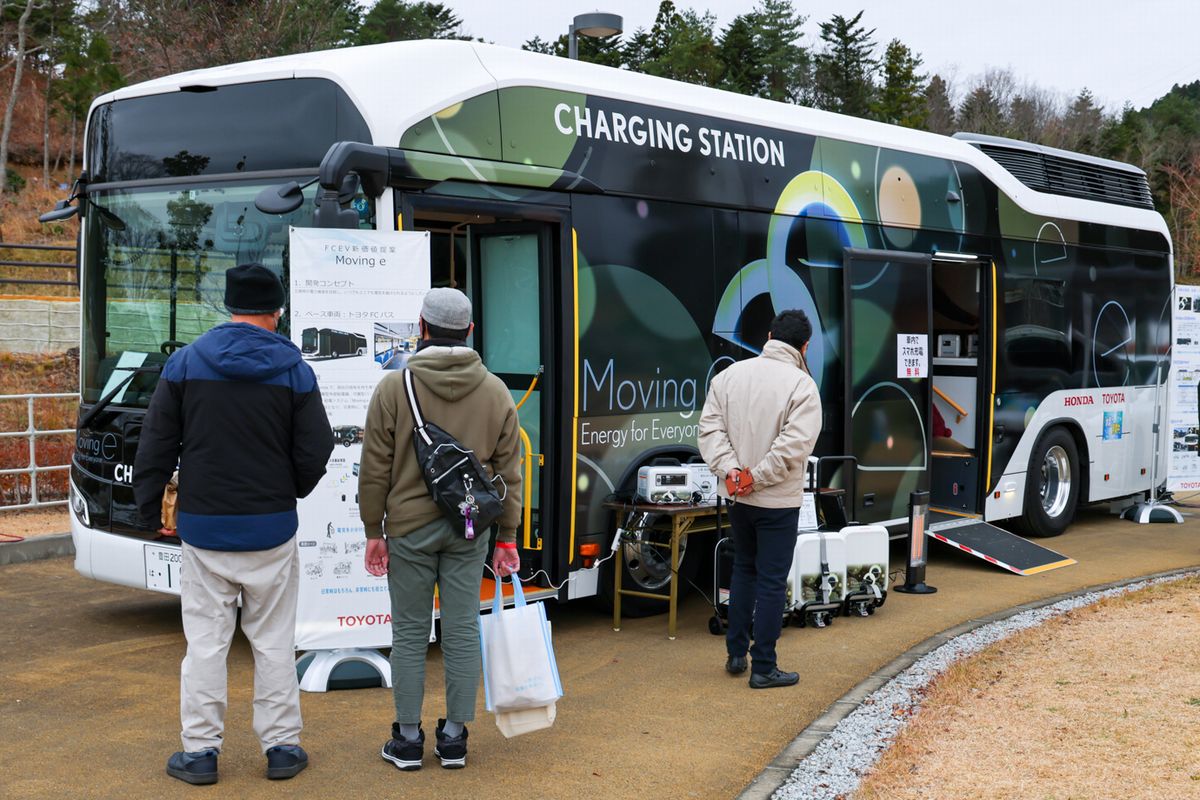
[(760, 423), (409, 539)]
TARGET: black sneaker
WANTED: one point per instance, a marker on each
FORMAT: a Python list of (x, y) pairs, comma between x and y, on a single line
[(285, 761), (735, 665), (452, 750), (406, 754), (198, 768), (774, 678)]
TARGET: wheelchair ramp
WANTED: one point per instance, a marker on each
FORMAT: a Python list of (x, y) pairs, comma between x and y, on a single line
[(995, 545)]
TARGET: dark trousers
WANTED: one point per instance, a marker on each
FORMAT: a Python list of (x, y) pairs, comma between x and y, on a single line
[(763, 542)]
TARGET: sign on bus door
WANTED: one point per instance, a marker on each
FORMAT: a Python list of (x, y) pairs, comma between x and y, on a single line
[(888, 322)]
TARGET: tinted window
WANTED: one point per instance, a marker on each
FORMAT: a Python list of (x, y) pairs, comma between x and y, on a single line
[(248, 127)]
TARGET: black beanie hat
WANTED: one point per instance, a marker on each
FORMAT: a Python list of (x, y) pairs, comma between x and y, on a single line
[(252, 289)]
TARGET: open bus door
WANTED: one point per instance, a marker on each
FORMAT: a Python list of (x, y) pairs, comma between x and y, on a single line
[(508, 258), (888, 330)]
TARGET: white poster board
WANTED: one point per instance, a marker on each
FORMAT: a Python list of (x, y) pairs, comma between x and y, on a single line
[(355, 300), (1181, 434)]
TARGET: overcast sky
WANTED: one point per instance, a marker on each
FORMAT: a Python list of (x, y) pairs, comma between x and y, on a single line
[(1120, 49)]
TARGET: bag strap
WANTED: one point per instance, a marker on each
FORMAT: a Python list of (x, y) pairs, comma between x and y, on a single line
[(498, 595), (415, 406)]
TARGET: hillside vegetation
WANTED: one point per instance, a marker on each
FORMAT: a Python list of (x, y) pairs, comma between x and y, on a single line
[(60, 54)]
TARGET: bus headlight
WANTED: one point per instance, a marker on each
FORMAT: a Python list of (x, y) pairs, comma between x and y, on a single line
[(79, 505)]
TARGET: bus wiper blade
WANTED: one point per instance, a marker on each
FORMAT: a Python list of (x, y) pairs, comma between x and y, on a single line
[(103, 402)]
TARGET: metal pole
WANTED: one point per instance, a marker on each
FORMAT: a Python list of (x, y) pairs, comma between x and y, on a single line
[(33, 498), (572, 42), (914, 573)]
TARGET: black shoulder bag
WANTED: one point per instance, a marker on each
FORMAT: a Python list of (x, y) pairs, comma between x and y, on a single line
[(456, 480)]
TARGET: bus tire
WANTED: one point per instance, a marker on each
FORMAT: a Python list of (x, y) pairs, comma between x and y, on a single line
[(1052, 485), (646, 569)]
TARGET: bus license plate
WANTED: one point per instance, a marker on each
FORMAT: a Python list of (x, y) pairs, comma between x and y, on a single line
[(162, 567)]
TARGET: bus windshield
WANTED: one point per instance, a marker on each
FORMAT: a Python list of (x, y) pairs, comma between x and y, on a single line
[(153, 274)]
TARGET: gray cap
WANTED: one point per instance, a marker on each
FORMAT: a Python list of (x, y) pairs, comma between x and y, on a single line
[(447, 308)]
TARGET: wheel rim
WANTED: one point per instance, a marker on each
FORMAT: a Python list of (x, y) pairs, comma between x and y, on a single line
[(648, 563), (1055, 486)]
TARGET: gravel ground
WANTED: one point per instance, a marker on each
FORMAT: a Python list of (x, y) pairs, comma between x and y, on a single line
[(839, 762)]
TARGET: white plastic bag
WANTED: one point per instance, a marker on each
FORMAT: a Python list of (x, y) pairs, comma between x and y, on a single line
[(519, 669)]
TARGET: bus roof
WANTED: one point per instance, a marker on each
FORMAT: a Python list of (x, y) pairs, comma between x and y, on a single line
[(428, 76)]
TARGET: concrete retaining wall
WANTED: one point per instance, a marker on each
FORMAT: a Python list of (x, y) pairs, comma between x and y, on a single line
[(38, 326)]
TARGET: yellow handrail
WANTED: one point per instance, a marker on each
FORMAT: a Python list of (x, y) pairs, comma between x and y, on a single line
[(532, 386), (527, 490), (962, 412)]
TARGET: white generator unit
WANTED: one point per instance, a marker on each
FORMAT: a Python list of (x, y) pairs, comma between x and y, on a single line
[(866, 568), (818, 577), (660, 484), (703, 481)]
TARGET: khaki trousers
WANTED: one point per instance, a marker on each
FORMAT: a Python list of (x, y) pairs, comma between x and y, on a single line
[(268, 582)]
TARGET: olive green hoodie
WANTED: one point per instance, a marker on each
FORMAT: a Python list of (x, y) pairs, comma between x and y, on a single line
[(457, 393)]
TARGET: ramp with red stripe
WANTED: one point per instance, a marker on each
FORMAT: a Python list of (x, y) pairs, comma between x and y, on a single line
[(995, 545)]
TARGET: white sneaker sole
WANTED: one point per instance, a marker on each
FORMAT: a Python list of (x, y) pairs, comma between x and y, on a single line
[(407, 766), (451, 763)]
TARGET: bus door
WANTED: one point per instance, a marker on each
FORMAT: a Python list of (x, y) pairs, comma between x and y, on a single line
[(888, 335), (506, 260), (962, 384)]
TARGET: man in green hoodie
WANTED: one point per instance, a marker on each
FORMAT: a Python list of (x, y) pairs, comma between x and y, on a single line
[(409, 539)]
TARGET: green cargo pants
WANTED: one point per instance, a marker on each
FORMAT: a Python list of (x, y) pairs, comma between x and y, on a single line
[(435, 554)]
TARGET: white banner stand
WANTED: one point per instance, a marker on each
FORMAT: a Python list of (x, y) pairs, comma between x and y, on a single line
[(324, 662), (1151, 509)]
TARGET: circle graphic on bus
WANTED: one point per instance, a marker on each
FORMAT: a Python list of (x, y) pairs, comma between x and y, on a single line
[(1112, 345), (899, 206)]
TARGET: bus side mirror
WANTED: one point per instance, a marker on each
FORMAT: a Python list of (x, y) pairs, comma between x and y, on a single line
[(282, 199), (62, 210)]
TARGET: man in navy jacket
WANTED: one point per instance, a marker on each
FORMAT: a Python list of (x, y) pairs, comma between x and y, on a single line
[(240, 413)]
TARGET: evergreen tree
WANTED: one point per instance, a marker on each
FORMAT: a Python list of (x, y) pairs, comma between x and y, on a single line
[(939, 110), (1082, 123), (901, 99), (607, 51), (397, 20), (741, 70), (680, 46), (981, 113), (844, 69)]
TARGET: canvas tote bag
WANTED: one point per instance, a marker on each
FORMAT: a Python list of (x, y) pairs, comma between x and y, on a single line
[(519, 668)]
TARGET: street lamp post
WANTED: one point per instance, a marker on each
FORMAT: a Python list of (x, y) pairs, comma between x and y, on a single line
[(597, 25)]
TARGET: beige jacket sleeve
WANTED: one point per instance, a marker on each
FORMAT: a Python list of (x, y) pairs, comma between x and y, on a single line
[(506, 462), (715, 447), (795, 443), (375, 465)]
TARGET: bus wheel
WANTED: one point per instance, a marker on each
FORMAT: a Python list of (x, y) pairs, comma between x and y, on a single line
[(1051, 485), (646, 567)]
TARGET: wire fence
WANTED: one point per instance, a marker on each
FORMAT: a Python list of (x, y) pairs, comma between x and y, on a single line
[(47, 453), (44, 269)]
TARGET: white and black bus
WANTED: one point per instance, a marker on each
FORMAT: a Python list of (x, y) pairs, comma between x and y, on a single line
[(990, 315)]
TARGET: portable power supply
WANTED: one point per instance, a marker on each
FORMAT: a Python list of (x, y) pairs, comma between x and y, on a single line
[(664, 484), (703, 481)]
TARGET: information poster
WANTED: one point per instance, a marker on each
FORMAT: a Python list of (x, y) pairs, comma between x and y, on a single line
[(1182, 433), (355, 300)]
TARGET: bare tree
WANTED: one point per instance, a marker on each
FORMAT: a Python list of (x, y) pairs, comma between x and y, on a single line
[(18, 69)]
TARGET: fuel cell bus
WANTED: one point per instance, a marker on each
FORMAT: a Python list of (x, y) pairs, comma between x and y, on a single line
[(991, 317), (328, 343)]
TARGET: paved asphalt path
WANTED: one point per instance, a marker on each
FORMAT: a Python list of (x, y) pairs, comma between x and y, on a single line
[(89, 689)]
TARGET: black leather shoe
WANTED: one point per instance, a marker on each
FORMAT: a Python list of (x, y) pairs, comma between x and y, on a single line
[(286, 761), (198, 768), (735, 665), (406, 754), (774, 678)]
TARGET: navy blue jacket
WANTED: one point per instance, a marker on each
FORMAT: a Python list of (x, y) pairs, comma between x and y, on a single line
[(241, 414)]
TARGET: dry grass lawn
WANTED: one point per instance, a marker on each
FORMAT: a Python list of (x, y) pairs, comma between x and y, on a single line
[(1102, 702), (16, 525)]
